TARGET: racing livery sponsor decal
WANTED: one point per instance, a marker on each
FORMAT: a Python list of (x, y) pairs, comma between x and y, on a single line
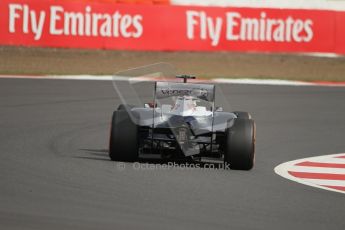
[(90, 24), (169, 89), (325, 172)]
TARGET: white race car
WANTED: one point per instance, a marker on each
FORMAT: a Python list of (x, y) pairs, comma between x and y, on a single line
[(183, 122)]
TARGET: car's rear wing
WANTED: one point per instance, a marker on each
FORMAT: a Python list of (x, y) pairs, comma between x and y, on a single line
[(168, 89)]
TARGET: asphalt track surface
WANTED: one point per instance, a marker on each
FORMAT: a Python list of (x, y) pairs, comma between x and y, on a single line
[(55, 172)]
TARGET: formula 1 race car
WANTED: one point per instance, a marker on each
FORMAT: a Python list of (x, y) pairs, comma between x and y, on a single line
[(183, 122)]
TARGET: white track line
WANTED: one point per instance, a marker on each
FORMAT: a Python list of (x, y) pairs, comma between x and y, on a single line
[(284, 168), (247, 81), (69, 77), (328, 160), (317, 169), (326, 182)]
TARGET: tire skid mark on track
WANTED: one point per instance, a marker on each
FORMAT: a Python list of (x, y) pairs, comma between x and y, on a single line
[(324, 172)]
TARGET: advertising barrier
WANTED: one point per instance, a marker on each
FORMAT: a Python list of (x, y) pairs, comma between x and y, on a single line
[(92, 25)]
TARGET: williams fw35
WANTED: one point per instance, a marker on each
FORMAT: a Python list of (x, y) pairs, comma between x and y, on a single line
[(182, 122)]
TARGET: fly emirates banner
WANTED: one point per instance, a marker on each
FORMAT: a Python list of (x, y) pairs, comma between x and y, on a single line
[(88, 24)]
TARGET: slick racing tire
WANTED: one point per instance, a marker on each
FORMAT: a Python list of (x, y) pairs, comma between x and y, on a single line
[(125, 107), (124, 136), (239, 151), (244, 115)]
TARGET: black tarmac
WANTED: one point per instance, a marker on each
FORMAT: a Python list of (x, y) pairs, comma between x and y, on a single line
[(55, 172)]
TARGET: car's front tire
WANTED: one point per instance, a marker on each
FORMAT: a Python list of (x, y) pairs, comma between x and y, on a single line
[(239, 149), (124, 136)]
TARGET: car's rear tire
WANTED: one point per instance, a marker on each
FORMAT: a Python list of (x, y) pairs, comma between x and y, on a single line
[(239, 149), (125, 107), (244, 115), (124, 136)]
